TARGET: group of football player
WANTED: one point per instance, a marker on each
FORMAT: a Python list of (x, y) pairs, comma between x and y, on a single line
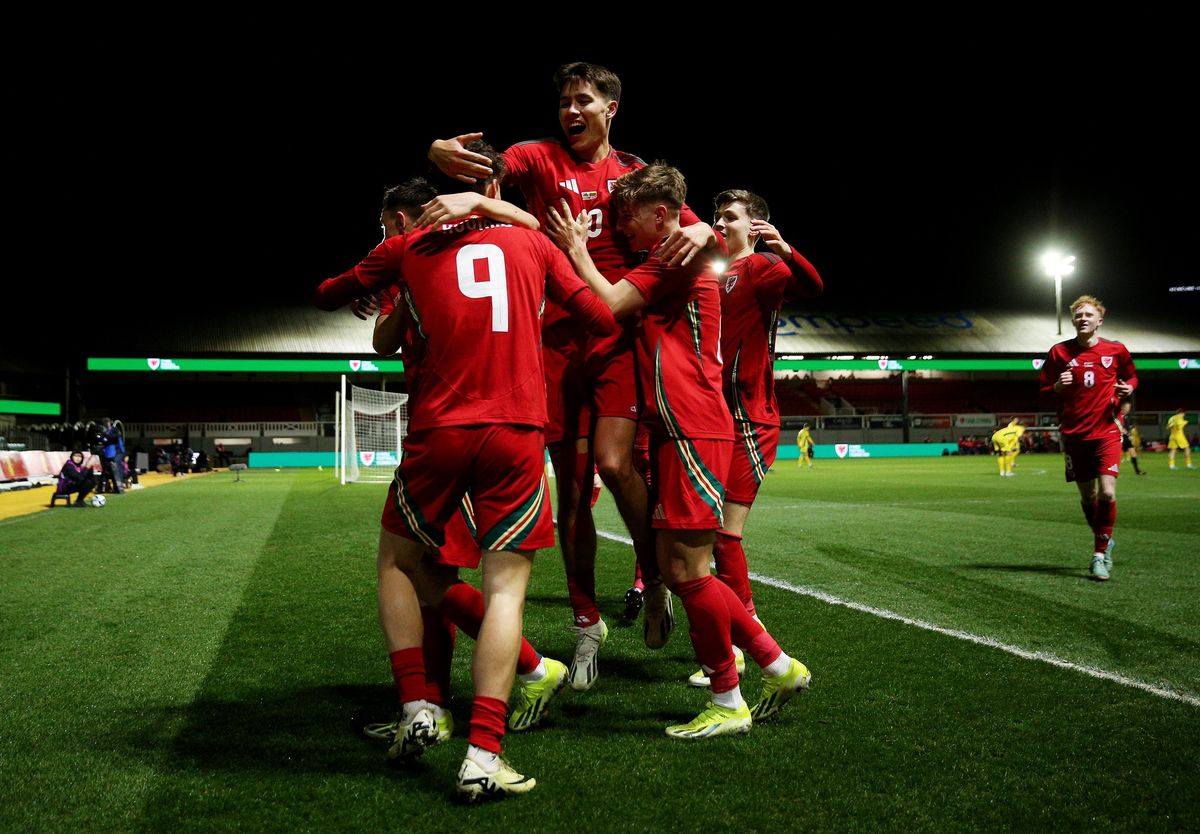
[(610, 327)]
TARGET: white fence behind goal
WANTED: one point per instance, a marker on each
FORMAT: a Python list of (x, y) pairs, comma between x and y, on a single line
[(375, 425)]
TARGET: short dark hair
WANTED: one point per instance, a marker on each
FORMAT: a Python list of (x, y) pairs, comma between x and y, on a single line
[(409, 196), (446, 184), (756, 206), (602, 79), (657, 183)]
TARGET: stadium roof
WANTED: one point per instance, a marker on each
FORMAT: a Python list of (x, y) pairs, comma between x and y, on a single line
[(303, 331)]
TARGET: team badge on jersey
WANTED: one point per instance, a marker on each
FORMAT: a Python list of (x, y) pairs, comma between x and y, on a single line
[(731, 279), (611, 183), (1106, 361)]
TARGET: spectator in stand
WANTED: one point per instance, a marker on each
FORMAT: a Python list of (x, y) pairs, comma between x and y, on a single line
[(223, 456), (131, 472), (163, 461), (74, 478), (202, 461), (178, 464)]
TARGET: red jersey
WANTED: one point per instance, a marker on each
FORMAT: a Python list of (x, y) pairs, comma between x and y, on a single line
[(546, 172), (753, 289), (679, 350), (473, 292), (1087, 408)]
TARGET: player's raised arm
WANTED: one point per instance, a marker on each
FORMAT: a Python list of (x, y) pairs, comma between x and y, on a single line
[(571, 234), (805, 281), (454, 160), (686, 242), (447, 208)]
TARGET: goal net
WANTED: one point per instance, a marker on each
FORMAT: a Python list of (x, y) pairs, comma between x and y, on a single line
[(374, 428)]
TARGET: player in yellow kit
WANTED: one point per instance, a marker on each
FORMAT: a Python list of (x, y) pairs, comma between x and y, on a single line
[(805, 444), (1007, 444), (1178, 440)]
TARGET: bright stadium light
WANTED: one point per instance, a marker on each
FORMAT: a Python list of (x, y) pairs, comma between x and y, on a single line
[(1056, 266), (718, 267)]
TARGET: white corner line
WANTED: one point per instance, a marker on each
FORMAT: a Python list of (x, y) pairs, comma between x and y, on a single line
[(990, 642)]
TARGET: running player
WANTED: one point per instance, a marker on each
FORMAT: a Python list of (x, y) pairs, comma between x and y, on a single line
[(753, 288), (679, 371), (590, 382), (1089, 375), (471, 289), (1177, 439)]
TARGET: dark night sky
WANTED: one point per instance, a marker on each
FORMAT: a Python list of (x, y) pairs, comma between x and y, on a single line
[(912, 175)]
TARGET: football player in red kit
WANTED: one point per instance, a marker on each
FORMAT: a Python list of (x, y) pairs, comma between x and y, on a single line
[(1090, 375), (591, 381), (753, 288), (679, 372), (470, 289), (447, 603)]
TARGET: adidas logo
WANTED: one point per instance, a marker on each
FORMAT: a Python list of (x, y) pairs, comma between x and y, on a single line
[(1114, 468), (658, 512), (570, 185)]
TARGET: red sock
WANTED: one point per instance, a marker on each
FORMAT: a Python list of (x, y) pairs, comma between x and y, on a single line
[(708, 625), (581, 588), (438, 650), (408, 670), (487, 723), (732, 568), (1106, 517), (747, 632), (462, 605), (1089, 512)]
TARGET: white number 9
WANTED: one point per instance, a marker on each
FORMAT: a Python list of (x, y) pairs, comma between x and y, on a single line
[(496, 285)]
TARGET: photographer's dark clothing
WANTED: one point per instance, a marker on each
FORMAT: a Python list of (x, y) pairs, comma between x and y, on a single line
[(75, 478)]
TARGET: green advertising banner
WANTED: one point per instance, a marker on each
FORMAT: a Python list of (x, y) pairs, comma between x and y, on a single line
[(357, 366), (30, 407), (324, 366), (825, 451)]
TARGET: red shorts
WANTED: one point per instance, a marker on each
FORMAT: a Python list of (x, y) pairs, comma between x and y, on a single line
[(754, 446), (502, 466), (460, 550), (688, 482), (612, 375), (1088, 459)]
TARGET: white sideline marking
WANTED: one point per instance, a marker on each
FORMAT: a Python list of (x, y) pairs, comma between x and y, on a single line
[(990, 642)]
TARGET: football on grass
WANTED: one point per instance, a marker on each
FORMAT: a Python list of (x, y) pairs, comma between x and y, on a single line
[(97, 500)]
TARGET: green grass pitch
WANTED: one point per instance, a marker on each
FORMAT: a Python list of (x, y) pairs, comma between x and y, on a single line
[(196, 658)]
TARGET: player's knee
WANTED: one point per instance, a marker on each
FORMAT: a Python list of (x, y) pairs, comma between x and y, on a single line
[(614, 467)]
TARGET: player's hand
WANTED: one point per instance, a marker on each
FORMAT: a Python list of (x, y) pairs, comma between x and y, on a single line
[(456, 161), (1124, 389), (447, 208), (567, 231), (366, 306), (769, 235), (684, 244), (1064, 379)]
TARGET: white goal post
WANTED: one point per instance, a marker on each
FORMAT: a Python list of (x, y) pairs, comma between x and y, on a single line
[(372, 431)]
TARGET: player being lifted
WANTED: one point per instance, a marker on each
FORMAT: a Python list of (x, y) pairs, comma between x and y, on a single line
[(753, 288), (471, 289), (447, 603), (1177, 439), (679, 374), (590, 382), (1089, 375)]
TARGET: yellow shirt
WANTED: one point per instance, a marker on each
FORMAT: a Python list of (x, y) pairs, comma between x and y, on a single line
[(804, 438)]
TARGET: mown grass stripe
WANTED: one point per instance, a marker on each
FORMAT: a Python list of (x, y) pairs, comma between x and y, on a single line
[(883, 613)]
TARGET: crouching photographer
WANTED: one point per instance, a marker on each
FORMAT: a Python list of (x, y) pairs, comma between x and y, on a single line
[(73, 478)]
